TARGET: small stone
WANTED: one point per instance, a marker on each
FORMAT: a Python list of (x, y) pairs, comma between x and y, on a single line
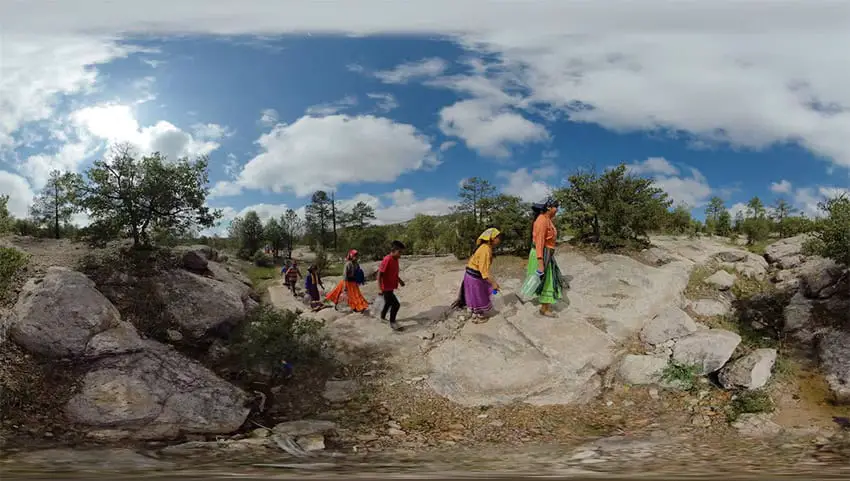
[(173, 335), (393, 425), (581, 455), (261, 433), (395, 432), (722, 280), (311, 442), (653, 393)]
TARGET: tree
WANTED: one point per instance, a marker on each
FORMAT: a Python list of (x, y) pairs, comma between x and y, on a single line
[(291, 225), (420, 236), (614, 209), (513, 217), (756, 226), (7, 222), (679, 220), (831, 234), (781, 211), (333, 218), (715, 209), (723, 225), (318, 213), (131, 195), (248, 231), (57, 200), (360, 215), (474, 194), (274, 233), (755, 208)]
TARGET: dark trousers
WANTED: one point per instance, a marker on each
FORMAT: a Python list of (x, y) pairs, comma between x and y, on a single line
[(391, 305)]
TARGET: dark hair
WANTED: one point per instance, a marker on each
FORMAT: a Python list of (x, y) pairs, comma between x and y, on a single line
[(397, 245)]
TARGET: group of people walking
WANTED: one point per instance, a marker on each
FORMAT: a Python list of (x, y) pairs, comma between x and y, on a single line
[(477, 286), (347, 291)]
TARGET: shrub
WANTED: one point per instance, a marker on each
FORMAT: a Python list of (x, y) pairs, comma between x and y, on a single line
[(831, 234), (261, 259), (750, 402), (681, 375), (11, 261), (271, 336)]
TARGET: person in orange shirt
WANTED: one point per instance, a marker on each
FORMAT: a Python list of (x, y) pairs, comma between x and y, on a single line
[(541, 259)]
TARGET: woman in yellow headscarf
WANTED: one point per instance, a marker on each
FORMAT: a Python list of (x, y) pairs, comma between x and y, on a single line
[(478, 284)]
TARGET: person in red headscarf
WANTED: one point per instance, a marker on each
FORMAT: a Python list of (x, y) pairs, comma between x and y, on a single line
[(349, 285)]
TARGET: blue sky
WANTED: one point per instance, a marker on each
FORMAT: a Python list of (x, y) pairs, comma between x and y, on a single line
[(396, 105)]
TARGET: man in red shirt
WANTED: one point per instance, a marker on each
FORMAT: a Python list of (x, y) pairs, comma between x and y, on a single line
[(388, 281)]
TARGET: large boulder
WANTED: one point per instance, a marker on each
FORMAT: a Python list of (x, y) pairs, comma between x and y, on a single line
[(819, 273), (748, 372), (710, 307), (722, 280), (671, 323), (199, 304), (834, 353), (637, 369), (798, 313), (785, 248), (707, 349), (155, 394), (58, 316)]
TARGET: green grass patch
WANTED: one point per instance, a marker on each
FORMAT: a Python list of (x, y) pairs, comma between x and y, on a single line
[(750, 402), (260, 276), (11, 262), (683, 376), (759, 247), (697, 287), (333, 269)]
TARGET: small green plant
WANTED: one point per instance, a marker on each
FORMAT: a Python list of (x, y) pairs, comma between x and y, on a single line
[(261, 259), (746, 402), (271, 336), (683, 376), (11, 261)]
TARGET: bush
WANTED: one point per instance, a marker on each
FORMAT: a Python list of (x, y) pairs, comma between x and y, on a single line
[(11, 261), (271, 336), (261, 259), (831, 234), (750, 402)]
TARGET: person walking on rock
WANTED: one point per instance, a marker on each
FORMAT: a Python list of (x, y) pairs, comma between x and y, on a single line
[(312, 283), (541, 259), (388, 282), (478, 284), (349, 285), (292, 276)]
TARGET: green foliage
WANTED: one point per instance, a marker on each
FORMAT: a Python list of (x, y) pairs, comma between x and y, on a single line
[(11, 261), (359, 218), (513, 217), (133, 195), (718, 221), (613, 210), (475, 199), (319, 216), (794, 225), (756, 225), (750, 402), (7, 222), (271, 336), (248, 232), (831, 234), (57, 201), (682, 376), (275, 235), (261, 259), (679, 221), (723, 224)]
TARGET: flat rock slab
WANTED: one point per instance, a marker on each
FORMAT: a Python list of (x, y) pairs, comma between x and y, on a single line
[(708, 350), (116, 459), (749, 372), (721, 280), (637, 369), (672, 323), (834, 353), (710, 307)]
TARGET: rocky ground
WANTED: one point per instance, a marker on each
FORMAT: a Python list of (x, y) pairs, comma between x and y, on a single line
[(695, 340)]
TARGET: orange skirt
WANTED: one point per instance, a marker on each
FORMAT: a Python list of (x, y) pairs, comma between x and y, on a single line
[(356, 301)]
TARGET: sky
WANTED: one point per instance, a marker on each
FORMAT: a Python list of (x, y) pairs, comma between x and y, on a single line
[(395, 103)]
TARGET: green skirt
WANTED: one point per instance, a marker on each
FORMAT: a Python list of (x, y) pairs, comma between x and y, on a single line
[(550, 290)]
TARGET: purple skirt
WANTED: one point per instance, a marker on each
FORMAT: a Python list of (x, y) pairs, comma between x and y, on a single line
[(476, 292)]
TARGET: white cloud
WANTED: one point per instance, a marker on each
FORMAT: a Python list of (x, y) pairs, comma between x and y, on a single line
[(268, 117), (530, 186), (425, 68), (19, 192), (68, 158), (298, 157), (385, 102), (447, 145), (781, 187), (401, 205), (488, 128), (332, 108), (807, 198), (211, 131), (692, 190), (738, 207)]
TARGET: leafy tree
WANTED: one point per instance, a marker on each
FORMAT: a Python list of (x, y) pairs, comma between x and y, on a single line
[(756, 226), (679, 220), (57, 201), (474, 195), (360, 216), (318, 213), (420, 236), (614, 209), (249, 233), (7, 222), (795, 225), (274, 233), (292, 226), (781, 211), (755, 208), (713, 213), (831, 234), (723, 225), (513, 217), (131, 195)]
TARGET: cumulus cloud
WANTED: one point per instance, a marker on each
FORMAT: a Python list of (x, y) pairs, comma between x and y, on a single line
[(268, 117), (331, 108), (781, 187), (19, 192), (488, 128), (692, 190), (404, 73), (529, 185), (298, 157), (807, 198), (384, 102), (400, 205)]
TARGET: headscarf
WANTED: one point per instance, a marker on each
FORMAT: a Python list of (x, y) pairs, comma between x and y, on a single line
[(351, 255), (488, 235), (547, 204)]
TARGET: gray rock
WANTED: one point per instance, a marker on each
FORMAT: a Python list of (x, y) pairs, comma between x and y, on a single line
[(340, 391), (123, 339), (173, 335), (711, 307), (798, 313), (194, 261), (709, 349), (111, 459), (732, 256), (672, 323), (311, 442), (783, 248), (756, 425), (304, 427), (790, 262), (199, 304), (58, 315), (834, 354), (749, 372), (637, 369), (157, 393), (817, 274), (721, 280)]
